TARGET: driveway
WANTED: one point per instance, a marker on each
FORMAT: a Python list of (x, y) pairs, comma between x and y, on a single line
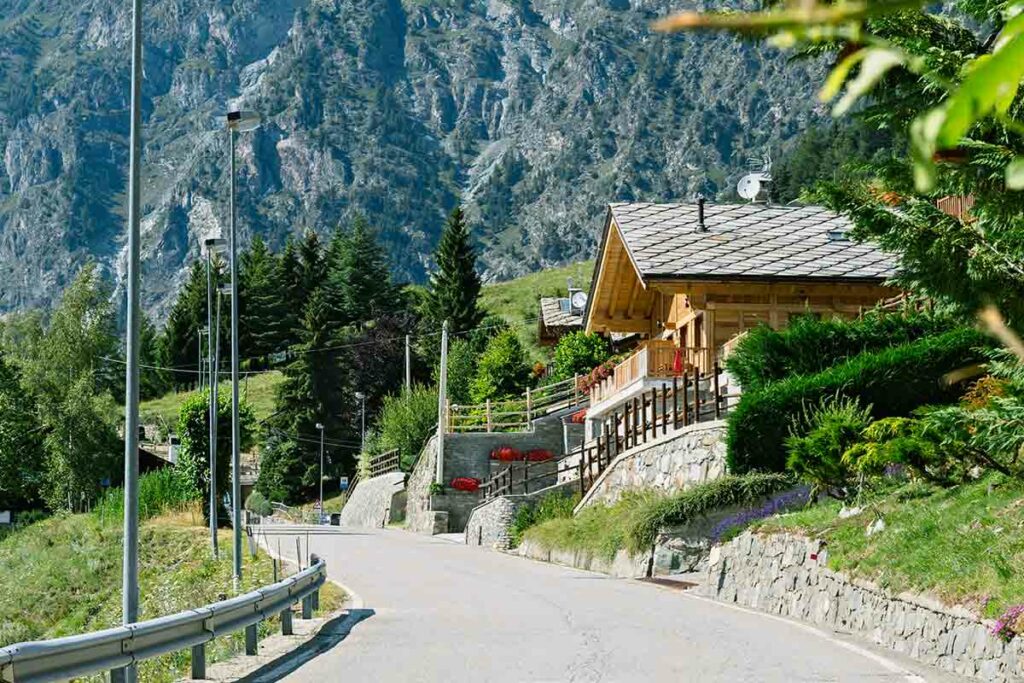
[(434, 610)]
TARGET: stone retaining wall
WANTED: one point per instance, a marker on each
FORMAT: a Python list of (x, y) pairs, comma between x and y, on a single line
[(488, 523), (787, 575), (690, 455), (371, 504), (623, 565)]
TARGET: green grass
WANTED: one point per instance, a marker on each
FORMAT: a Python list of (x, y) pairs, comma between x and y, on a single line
[(633, 522), (965, 544), (258, 390), (63, 575), (518, 300)]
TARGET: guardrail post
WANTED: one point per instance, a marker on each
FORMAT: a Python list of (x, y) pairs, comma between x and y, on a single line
[(286, 621), (250, 639), (118, 676), (198, 662), (307, 607), (315, 595)]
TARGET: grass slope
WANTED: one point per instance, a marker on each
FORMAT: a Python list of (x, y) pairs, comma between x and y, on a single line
[(518, 301), (965, 544), (63, 576), (256, 389)]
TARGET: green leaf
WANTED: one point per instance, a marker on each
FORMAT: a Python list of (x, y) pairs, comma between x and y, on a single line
[(875, 64), (1015, 174), (990, 85), (836, 78)]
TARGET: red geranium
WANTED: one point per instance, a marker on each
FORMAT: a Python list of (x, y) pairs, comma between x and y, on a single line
[(579, 417), (539, 455), (465, 484), (506, 454)]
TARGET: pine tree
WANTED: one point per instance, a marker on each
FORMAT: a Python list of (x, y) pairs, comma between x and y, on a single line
[(261, 303), (455, 284), (359, 277), (187, 317), (315, 390), (153, 381), (288, 281), (312, 264)]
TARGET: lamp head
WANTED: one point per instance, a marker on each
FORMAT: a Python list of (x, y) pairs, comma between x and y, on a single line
[(360, 396), (319, 426), (243, 121), (225, 290), (215, 245)]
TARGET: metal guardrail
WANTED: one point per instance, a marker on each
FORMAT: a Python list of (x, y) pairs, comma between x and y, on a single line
[(114, 649)]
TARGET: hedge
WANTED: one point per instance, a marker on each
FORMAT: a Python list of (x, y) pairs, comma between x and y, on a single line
[(809, 346), (892, 381)]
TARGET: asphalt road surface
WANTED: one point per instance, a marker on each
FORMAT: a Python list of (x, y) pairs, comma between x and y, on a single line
[(427, 609)]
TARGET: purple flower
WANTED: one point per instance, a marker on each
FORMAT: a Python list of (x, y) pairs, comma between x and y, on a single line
[(1006, 626), (769, 507)]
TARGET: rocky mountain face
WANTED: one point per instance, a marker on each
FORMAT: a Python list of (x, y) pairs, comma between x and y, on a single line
[(533, 113)]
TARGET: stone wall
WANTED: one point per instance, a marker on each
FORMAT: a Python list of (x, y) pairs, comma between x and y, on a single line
[(419, 516), (690, 455), (488, 523), (623, 565), (788, 575), (370, 505)]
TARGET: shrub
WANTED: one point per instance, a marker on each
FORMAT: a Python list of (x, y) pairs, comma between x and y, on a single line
[(160, 491), (893, 381), (894, 443), (284, 476), (577, 353), (554, 505), (259, 505), (808, 345), (818, 438), (405, 422), (502, 371), (506, 454), (686, 506)]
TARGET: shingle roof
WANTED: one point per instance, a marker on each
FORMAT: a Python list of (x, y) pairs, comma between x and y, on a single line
[(746, 241), (554, 314)]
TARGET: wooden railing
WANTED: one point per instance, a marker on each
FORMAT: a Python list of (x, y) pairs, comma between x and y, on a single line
[(514, 415), (385, 463), (688, 399), (656, 359)]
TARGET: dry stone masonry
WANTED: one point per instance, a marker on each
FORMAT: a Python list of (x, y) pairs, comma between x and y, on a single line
[(787, 575), (372, 504)]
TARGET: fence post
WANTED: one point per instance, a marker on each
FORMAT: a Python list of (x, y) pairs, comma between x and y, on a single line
[(675, 403), (638, 420), (583, 490), (615, 433), (488, 416), (696, 398), (529, 407), (718, 393), (643, 416), (607, 444), (199, 662), (575, 389), (250, 640), (286, 622), (664, 411)]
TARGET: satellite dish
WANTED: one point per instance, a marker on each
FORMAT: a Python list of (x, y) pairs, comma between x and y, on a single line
[(579, 301), (749, 186)]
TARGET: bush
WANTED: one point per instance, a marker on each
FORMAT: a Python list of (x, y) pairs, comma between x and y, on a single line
[(893, 381), (405, 423), (503, 371), (818, 439), (258, 505), (577, 353), (160, 491), (284, 475), (808, 345), (554, 505)]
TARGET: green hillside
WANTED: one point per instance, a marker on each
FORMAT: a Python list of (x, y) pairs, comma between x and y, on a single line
[(258, 390)]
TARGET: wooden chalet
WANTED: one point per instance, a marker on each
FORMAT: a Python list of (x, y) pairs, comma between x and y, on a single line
[(691, 278)]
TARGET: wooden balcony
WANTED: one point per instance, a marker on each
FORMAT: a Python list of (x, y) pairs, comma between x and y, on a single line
[(655, 359)]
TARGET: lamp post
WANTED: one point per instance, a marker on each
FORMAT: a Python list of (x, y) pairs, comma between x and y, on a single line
[(361, 397), (130, 558), (214, 245), (237, 121), (321, 428)]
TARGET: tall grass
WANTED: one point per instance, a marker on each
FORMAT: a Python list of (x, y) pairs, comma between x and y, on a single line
[(159, 492)]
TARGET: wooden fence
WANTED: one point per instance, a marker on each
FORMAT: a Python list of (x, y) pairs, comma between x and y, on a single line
[(514, 415), (385, 463)]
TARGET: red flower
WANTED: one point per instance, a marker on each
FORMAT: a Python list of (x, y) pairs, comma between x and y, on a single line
[(539, 455), (505, 454), (579, 417), (465, 484)]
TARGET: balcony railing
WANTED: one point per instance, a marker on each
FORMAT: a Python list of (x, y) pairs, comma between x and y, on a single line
[(656, 359)]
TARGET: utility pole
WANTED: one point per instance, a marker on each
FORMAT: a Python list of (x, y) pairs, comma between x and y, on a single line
[(408, 365), (442, 393), (213, 245), (320, 426), (236, 436), (130, 560)]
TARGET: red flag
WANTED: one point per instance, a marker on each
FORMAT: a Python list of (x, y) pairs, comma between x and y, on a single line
[(677, 362)]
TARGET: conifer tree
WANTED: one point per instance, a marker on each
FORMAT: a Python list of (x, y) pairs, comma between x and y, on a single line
[(312, 264), (187, 316), (288, 281), (359, 277), (260, 302), (454, 284)]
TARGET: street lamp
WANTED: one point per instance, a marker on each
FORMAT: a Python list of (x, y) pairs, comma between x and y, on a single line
[(130, 556), (321, 428), (237, 121), (214, 245), (361, 397)]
